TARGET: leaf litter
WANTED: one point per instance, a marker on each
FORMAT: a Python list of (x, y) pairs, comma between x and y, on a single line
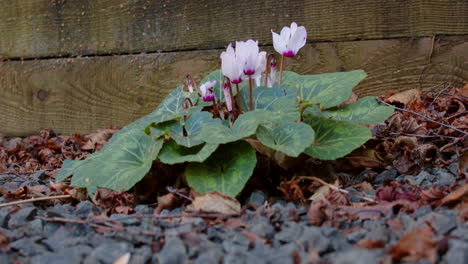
[(428, 133)]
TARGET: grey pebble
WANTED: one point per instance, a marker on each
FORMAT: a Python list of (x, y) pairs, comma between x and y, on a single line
[(68, 256), (125, 219), (173, 252), (290, 231), (312, 238), (108, 252), (86, 208), (352, 256), (443, 177), (4, 259), (212, 255), (27, 246), (141, 255), (457, 252), (442, 223), (257, 198), (22, 216), (4, 217), (59, 210), (387, 175), (143, 209), (260, 226), (34, 228)]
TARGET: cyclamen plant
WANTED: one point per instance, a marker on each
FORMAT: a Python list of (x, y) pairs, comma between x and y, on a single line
[(216, 131)]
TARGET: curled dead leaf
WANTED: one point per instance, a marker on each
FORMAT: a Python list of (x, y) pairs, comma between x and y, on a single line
[(215, 202), (415, 245), (457, 196), (4, 243), (432, 194), (370, 244)]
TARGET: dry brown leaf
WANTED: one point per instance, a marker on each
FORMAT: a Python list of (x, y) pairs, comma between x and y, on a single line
[(406, 98), (417, 244), (336, 198), (4, 243), (317, 212), (410, 142), (370, 244), (124, 259), (215, 202), (292, 191), (320, 193), (169, 201), (110, 200), (456, 196), (432, 194), (98, 139), (463, 216)]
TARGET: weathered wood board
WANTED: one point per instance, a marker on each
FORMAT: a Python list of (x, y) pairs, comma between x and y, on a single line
[(62, 28), (78, 95)]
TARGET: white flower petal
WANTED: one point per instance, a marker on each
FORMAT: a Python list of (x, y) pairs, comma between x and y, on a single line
[(298, 40), (293, 28), (278, 44)]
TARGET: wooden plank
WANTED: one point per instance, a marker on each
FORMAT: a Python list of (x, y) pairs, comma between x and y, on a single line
[(62, 28), (79, 95)]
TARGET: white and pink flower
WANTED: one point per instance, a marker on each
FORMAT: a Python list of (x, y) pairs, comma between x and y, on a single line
[(232, 65), (207, 92), (290, 40)]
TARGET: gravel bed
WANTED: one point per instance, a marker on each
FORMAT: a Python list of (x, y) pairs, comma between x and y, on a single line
[(279, 232)]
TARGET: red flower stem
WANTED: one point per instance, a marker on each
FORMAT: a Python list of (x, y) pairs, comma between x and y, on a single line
[(281, 70), (232, 97), (215, 107), (238, 98), (267, 70), (250, 89)]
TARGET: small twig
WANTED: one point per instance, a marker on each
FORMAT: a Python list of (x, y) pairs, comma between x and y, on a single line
[(426, 118), (138, 216), (28, 172), (423, 136), (36, 200), (455, 115), (172, 190), (331, 186), (445, 93), (437, 96)]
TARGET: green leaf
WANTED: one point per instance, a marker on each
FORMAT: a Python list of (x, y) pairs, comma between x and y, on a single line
[(68, 167), (121, 165), (193, 126), (170, 108), (173, 153), (289, 138), (365, 111), (227, 170), (327, 90), (335, 139), (245, 126), (276, 99)]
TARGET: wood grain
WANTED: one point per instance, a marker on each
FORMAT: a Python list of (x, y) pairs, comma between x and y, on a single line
[(78, 95), (63, 28)]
